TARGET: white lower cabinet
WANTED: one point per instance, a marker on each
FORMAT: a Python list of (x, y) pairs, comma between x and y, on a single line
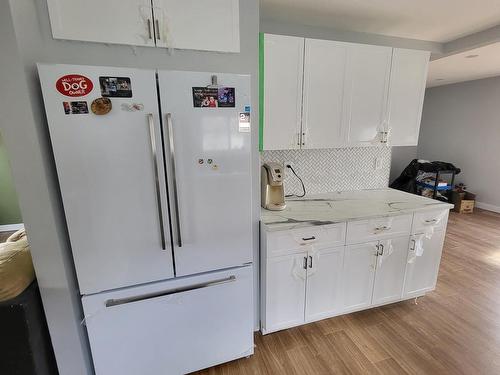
[(324, 288), (358, 275), (285, 287), (318, 277), (422, 270), (390, 270), (172, 327)]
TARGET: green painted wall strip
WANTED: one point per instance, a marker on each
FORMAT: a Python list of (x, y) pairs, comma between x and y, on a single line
[(261, 91)]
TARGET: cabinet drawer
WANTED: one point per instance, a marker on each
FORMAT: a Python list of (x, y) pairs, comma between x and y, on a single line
[(378, 228), (422, 221), (290, 241), (173, 327)]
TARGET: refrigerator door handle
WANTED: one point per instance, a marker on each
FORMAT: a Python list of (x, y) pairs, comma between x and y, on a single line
[(170, 133), (143, 297), (157, 180)]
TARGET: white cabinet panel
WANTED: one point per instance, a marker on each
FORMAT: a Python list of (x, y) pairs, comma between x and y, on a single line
[(368, 77), (423, 221), (283, 71), (422, 271), (323, 97), (358, 275), (324, 278), (293, 241), (390, 272), (172, 327), (199, 25), (285, 291), (378, 228), (110, 21), (406, 98)]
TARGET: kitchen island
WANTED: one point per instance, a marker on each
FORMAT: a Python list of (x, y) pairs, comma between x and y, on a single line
[(335, 253)]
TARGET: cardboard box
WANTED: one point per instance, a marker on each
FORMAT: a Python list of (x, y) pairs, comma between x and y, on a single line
[(464, 202)]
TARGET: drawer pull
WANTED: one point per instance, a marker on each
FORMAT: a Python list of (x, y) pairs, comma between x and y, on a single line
[(385, 227), (143, 297), (308, 238), (431, 221)]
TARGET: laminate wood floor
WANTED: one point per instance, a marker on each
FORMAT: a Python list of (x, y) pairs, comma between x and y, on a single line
[(453, 330)]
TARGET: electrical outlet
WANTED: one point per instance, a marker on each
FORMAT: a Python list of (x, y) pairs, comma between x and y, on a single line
[(377, 165)]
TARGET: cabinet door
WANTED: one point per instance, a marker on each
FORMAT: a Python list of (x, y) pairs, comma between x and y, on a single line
[(199, 25), (406, 95), (368, 76), (324, 277), (390, 273), (422, 271), (283, 72), (358, 275), (285, 291), (111, 21), (323, 97)]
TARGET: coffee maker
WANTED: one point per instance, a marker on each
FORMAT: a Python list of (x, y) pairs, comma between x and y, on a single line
[(272, 192)]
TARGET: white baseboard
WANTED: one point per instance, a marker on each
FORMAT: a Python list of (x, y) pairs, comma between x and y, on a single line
[(11, 227), (488, 207)]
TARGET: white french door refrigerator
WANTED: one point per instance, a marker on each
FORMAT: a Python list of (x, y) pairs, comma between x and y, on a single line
[(154, 170)]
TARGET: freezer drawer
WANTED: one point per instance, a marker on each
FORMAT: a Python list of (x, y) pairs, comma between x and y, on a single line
[(172, 327)]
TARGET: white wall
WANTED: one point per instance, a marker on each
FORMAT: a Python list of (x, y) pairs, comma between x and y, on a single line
[(27, 41), (461, 125)]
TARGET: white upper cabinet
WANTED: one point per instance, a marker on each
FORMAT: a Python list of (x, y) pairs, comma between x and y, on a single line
[(326, 94), (185, 24), (283, 71), (323, 95), (110, 21), (406, 96), (199, 25), (367, 89)]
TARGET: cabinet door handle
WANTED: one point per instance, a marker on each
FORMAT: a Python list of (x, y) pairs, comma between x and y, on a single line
[(377, 246), (382, 252), (305, 263), (308, 238), (412, 248), (150, 34), (157, 32), (310, 261)]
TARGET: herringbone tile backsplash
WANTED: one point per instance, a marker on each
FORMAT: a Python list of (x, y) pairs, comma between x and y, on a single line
[(337, 169)]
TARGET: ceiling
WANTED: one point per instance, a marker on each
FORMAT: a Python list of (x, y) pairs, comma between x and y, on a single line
[(431, 20), (465, 66)]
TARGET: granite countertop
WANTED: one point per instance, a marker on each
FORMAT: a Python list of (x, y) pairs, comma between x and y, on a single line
[(334, 207)]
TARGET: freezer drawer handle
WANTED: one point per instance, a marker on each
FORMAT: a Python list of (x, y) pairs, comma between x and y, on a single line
[(143, 297), (174, 178), (157, 181)]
